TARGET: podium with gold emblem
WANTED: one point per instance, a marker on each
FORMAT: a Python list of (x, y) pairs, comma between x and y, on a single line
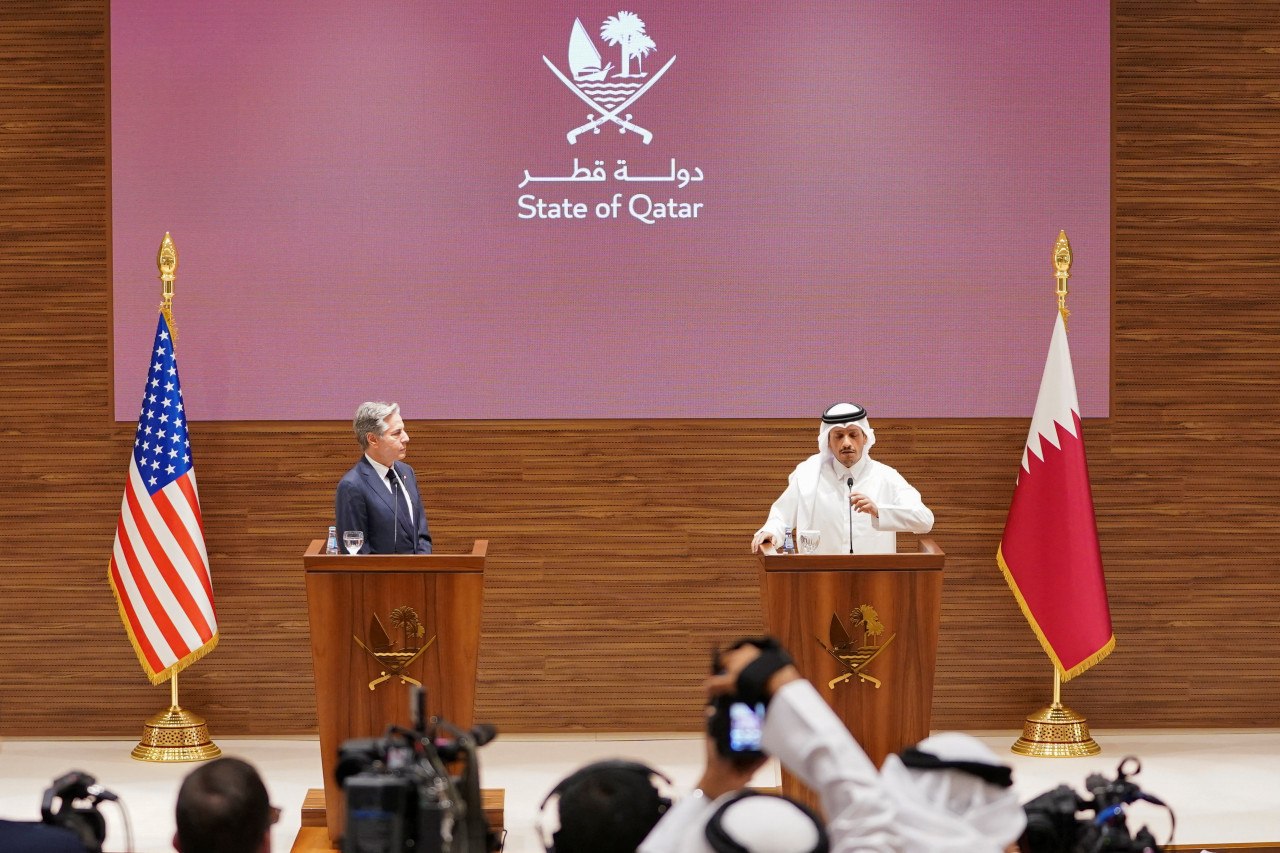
[(864, 629), (381, 624)]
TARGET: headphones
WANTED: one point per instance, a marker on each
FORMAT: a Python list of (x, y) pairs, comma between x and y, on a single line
[(624, 777), (725, 838), (88, 824)]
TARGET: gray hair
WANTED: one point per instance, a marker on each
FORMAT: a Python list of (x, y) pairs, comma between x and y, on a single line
[(371, 418)]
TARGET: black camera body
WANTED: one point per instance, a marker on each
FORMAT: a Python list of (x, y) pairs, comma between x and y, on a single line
[(736, 722), (1053, 825), (71, 803), (737, 728), (400, 795)]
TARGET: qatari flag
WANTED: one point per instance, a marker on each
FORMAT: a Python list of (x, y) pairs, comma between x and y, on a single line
[(159, 569), (1049, 551)]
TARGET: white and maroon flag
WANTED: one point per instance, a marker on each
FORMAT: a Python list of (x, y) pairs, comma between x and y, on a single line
[(159, 569), (1049, 551)]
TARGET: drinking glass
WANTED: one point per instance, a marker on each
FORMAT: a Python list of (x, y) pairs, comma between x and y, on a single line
[(809, 540), (353, 539)]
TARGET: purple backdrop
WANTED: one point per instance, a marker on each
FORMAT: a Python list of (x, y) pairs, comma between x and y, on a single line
[(881, 184)]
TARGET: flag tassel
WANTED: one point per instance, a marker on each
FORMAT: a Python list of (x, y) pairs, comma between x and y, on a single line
[(1058, 668)]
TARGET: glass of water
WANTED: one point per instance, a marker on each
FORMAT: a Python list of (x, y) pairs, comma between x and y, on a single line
[(353, 539), (809, 540)]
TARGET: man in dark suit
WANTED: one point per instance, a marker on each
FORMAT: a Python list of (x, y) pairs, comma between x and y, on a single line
[(379, 496)]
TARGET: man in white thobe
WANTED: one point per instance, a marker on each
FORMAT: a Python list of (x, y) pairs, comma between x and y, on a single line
[(950, 794), (854, 502)]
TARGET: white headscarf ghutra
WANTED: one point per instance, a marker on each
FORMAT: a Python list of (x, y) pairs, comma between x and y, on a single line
[(844, 415), (953, 795)]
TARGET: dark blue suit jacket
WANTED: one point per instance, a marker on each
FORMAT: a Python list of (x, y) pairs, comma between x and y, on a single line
[(363, 502)]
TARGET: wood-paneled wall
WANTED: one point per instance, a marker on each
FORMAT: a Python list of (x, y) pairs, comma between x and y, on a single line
[(618, 550)]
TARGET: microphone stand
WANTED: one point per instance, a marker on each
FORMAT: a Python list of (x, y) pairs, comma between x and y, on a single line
[(849, 483)]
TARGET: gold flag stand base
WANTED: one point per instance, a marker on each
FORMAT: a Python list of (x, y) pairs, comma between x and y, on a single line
[(175, 735), (1056, 731)]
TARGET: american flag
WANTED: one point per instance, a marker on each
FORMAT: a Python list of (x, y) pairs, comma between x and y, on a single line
[(159, 568)]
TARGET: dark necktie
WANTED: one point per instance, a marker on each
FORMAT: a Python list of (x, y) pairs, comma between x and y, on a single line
[(397, 493), (395, 505), (395, 488)]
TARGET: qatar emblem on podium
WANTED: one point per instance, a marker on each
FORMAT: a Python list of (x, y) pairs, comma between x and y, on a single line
[(392, 657), (852, 657), (609, 95)]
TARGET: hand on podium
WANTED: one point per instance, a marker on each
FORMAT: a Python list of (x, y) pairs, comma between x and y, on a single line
[(761, 538)]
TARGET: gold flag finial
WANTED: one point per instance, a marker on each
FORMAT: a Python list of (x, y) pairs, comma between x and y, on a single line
[(1062, 263), (167, 261)]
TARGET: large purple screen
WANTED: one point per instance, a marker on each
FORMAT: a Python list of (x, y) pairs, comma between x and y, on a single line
[(575, 210)]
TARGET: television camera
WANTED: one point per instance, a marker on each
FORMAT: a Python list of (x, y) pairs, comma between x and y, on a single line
[(1053, 825), (401, 796)]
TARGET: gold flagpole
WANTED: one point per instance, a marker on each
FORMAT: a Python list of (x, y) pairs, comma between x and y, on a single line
[(1057, 731), (173, 734), (1062, 267)]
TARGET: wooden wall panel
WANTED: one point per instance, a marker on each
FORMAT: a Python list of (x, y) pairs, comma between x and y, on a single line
[(618, 549)]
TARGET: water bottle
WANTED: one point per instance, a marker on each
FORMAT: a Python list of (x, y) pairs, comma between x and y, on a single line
[(331, 547), (788, 543)]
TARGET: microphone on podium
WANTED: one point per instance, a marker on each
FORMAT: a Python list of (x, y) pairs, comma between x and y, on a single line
[(849, 483)]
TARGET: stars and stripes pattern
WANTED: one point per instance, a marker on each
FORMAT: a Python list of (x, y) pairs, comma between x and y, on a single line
[(159, 568)]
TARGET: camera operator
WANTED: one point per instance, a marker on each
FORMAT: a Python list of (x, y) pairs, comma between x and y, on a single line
[(604, 807), (69, 819), (223, 808), (938, 798)]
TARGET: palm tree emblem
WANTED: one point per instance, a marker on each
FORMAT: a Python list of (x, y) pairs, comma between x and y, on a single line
[(867, 618), (383, 649), (625, 29), (851, 656), (588, 77), (642, 47), (406, 619)]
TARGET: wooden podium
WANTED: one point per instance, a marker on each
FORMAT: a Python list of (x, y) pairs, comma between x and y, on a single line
[(801, 594), (360, 687)]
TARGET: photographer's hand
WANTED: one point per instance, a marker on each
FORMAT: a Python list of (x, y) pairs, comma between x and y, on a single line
[(725, 774), (734, 662)]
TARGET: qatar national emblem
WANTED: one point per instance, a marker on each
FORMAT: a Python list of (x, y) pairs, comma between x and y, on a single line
[(609, 95)]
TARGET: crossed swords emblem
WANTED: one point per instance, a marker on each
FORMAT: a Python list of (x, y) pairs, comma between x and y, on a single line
[(395, 663), (613, 114), (384, 652), (852, 657)]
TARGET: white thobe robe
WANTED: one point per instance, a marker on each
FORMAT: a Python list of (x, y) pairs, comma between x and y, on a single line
[(802, 732), (817, 498)]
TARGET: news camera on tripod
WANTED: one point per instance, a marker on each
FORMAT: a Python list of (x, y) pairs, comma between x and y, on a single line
[(401, 796), (1054, 824)]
